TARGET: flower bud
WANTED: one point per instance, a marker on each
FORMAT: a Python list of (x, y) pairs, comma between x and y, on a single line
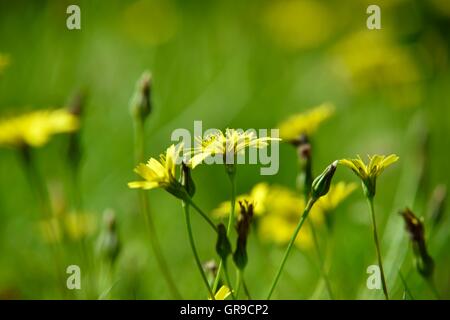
[(186, 179), (305, 177), (108, 245), (243, 228), (223, 246), (321, 185), (415, 228), (141, 104)]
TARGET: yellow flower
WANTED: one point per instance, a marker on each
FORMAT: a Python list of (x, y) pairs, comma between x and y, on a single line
[(222, 293), (160, 173), (338, 192), (305, 123), (35, 128), (369, 173), (233, 142), (4, 61), (257, 196)]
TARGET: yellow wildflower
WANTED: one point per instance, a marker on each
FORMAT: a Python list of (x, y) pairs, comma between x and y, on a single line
[(35, 128), (305, 123), (160, 173), (222, 293), (369, 173), (233, 142), (338, 192)]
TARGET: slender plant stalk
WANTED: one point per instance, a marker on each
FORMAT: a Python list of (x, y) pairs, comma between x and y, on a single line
[(289, 247), (433, 288), (244, 285), (227, 277), (377, 245), (230, 224), (203, 214), (145, 209), (405, 285), (321, 260), (194, 250), (238, 282)]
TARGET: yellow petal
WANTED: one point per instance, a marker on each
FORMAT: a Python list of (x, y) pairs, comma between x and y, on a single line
[(146, 185), (222, 293)]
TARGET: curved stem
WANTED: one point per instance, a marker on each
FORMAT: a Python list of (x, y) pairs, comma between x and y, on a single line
[(289, 247), (321, 260), (204, 215), (377, 245), (244, 285), (230, 224), (145, 209), (238, 282), (194, 249), (433, 288), (227, 277)]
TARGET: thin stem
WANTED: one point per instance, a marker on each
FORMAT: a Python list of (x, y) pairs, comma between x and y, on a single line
[(145, 210), (230, 224), (227, 277), (289, 247), (321, 260), (244, 285), (194, 249), (377, 245), (238, 282), (405, 285), (204, 215)]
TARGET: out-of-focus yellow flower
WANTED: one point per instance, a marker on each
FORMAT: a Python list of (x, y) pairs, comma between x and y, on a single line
[(231, 142), (257, 196), (369, 173), (298, 24), (151, 22), (71, 226), (371, 60), (35, 128), (4, 61), (161, 173), (338, 192), (305, 123), (223, 293)]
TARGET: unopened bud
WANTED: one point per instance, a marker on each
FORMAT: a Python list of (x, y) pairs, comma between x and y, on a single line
[(141, 104), (321, 185), (223, 246), (415, 228), (108, 244), (186, 179), (243, 228)]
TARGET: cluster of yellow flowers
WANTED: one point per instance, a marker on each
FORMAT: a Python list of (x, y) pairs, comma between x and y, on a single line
[(278, 210)]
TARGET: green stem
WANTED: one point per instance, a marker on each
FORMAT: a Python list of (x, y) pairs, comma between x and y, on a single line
[(244, 285), (405, 285), (204, 215), (227, 277), (145, 210), (377, 245), (321, 260), (231, 175), (194, 249), (433, 288), (291, 242), (238, 282)]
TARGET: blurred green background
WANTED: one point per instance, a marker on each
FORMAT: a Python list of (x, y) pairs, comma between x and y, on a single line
[(240, 64)]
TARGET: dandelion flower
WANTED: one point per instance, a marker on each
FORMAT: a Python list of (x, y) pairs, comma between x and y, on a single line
[(369, 173), (305, 123), (233, 142), (160, 173), (35, 129)]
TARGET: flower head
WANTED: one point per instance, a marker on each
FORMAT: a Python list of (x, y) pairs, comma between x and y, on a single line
[(160, 173), (369, 173), (228, 145), (306, 123), (222, 293), (35, 129)]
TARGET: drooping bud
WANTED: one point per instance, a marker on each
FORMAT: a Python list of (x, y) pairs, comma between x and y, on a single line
[(321, 185), (223, 246), (186, 179), (108, 245), (243, 228), (141, 104), (415, 228)]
